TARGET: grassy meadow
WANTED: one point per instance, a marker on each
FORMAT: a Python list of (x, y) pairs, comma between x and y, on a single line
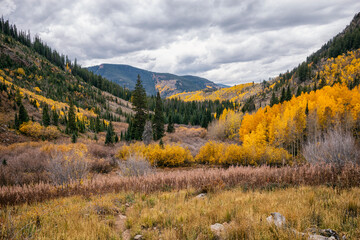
[(182, 215)]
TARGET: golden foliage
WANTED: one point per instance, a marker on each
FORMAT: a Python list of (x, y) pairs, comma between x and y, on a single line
[(34, 129), (166, 156), (233, 154)]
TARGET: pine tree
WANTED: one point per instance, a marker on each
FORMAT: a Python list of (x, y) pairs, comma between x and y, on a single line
[(274, 100), (17, 124), (170, 127), (283, 96), (97, 124), (139, 103), (109, 139), (307, 109), (45, 116), (23, 115), (288, 94), (298, 91), (71, 125), (54, 117), (74, 137), (158, 122)]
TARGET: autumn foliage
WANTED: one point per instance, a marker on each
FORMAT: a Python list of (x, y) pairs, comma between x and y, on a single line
[(35, 130), (162, 156)]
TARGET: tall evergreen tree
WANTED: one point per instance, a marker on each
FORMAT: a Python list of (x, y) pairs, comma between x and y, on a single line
[(283, 96), (54, 117), (46, 116), (274, 100), (139, 103), (288, 93), (109, 138), (170, 127), (71, 124), (23, 115), (158, 122)]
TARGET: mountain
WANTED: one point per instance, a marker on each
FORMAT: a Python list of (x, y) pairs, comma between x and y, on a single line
[(167, 84)]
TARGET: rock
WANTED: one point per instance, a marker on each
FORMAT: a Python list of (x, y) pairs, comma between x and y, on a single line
[(277, 219), (218, 229), (327, 233), (201, 195), (138, 237), (126, 235), (320, 237)]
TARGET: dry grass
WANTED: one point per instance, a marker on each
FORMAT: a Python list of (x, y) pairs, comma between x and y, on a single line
[(209, 179), (180, 215)]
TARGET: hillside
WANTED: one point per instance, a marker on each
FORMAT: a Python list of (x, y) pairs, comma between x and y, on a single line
[(330, 59), (165, 83)]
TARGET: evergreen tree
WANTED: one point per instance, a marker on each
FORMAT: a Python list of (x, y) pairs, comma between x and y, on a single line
[(23, 115), (170, 127), (283, 96), (98, 127), (109, 139), (307, 109), (46, 116), (17, 124), (322, 83), (71, 124), (54, 117), (74, 137), (139, 103), (315, 88), (158, 122), (288, 94), (274, 100), (298, 91)]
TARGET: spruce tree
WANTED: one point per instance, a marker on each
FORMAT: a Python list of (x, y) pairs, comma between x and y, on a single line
[(274, 100), (54, 117), (71, 124), (170, 127), (109, 139), (283, 96), (158, 122), (23, 115), (139, 106), (288, 94), (46, 116)]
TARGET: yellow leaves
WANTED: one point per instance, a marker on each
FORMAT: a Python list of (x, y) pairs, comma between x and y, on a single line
[(37, 89), (20, 71), (167, 156), (233, 154), (34, 129)]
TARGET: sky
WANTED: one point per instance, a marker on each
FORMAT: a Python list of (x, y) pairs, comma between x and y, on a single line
[(228, 42)]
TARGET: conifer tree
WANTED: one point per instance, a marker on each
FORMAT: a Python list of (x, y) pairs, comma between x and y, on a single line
[(71, 124), (274, 100), (139, 103), (288, 94), (158, 122), (54, 117), (283, 96), (45, 116), (109, 139), (23, 115), (17, 125), (170, 127)]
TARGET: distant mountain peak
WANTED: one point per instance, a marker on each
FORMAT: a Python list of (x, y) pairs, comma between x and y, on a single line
[(165, 83)]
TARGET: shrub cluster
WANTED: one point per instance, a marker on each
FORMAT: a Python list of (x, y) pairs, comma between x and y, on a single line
[(161, 156), (35, 130), (233, 154)]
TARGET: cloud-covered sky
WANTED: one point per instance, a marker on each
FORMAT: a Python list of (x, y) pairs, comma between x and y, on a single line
[(229, 41)]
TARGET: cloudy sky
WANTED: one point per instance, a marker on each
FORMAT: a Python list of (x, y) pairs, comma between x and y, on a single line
[(228, 42)]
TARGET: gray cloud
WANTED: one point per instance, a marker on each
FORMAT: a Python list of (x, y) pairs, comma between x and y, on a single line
[(226, 41)]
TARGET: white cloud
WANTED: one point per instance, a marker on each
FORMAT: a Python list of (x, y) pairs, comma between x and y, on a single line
[(225, 41)]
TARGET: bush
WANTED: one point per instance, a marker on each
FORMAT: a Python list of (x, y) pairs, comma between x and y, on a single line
[(336, 146), (166, 156), (64, 167), (135, 166), (34, 129), (232, 154)]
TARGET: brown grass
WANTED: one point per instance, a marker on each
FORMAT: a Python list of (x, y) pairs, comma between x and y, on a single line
[(200, 179)]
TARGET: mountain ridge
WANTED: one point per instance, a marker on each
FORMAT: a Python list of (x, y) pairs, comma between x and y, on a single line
[(166, 83)]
